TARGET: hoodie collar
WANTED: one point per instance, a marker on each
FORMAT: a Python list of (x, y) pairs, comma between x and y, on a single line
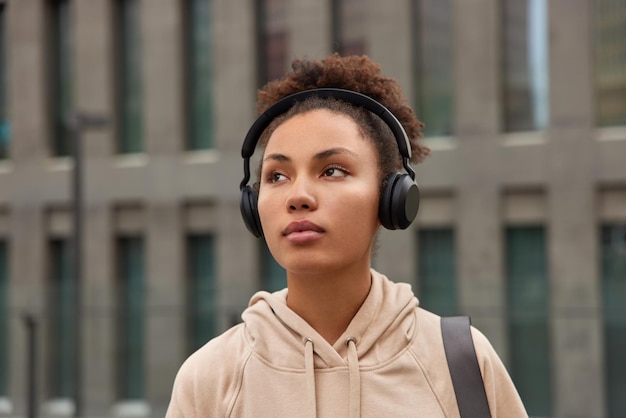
[(382, 327)]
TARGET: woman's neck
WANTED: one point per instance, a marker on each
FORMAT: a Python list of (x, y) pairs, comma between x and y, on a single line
[(329, 301)]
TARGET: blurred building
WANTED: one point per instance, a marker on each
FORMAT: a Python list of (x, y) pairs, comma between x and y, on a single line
[(522, 223)]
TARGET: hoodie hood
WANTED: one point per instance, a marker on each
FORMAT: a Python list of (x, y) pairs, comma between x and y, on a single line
[(375, 328), (383, 327)]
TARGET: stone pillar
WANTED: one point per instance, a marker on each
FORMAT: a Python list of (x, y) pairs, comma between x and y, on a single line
[(94, 91), (234, 74), (238, 254), (389, 40), (573, 237), (27, 278), (165, 327), (28, 148), (476, 125), (28, 109), (162, 52), (309, 24), (99, 322)]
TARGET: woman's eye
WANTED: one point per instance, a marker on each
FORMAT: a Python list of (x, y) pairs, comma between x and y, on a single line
[(335, 172), (275, 177)]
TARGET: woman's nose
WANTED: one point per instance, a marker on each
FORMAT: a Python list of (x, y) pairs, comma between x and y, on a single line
[(301, 197)]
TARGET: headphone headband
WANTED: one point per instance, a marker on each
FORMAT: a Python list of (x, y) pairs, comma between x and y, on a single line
[(349, 96)]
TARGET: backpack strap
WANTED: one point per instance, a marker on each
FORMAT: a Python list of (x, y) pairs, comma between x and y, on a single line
[(464, 369)]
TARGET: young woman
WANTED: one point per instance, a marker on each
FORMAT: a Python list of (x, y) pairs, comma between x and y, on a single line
[(342, 340)]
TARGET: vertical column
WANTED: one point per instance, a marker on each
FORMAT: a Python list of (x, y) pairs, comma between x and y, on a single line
[(26, 294), (389, 39), (27, 89), (93, 40), (237, 255), (161, 22), (165, 302), (477, 67), (395, 254), (476, 96), (481, 286), (29, 133), (99, 349), (93, 49), (309, 29), (234, 72), (573, 233)]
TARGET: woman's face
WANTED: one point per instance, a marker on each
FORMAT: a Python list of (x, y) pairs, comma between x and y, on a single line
[(318, 199)]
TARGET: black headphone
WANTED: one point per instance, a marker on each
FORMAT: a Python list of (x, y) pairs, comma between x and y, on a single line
[(399, 200)]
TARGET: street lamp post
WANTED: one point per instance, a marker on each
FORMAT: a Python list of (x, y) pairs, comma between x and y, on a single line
[(79, 121), (31, 376)]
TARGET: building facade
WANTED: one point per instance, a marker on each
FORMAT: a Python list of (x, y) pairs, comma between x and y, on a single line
[(522, 223)]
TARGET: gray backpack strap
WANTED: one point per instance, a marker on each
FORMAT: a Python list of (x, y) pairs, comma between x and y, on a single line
[(463, 365)]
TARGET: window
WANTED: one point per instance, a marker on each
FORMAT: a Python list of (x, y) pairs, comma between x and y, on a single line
[(349, 26), (61, 321), (273, 275), (130, 318), (528, 295), (432, 64), (60, 92), (4, 122), (198, 77), (4, 319), (201, 275), (437, 289), (525, 64), (610, 61), (273, 38), (613, 259), (128, 76)]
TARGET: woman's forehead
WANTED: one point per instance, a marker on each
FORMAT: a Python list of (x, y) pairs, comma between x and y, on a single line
[(316, 129)]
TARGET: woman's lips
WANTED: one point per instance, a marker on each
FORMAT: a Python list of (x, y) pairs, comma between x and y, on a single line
[(303, 231)]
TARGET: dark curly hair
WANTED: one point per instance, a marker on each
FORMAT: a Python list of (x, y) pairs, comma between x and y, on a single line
[(357, 73)]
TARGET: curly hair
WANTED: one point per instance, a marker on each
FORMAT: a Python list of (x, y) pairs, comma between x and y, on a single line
[(356, 73)]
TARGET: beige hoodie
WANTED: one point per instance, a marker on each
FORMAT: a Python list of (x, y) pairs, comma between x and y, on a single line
[(390, 362)]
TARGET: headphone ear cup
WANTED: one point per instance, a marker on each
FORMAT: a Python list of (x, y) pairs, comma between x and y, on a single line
[(384, 205), (250, 212), (399, 202)]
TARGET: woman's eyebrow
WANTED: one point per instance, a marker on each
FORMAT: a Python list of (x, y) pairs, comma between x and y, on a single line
[(277, 157), (334, 151), (319, 156)]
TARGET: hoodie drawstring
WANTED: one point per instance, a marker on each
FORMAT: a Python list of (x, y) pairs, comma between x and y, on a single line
[(310, 377), (355, 379), (354, 376)]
